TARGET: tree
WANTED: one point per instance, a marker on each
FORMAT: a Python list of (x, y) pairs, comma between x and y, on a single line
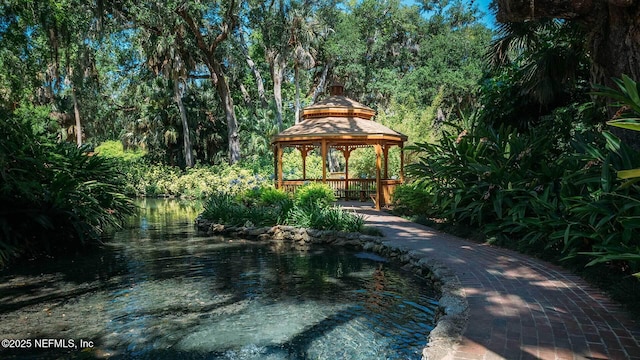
[(242, 44), (208, 37), (612, 39), (388, 53), (270, 20), (304, 30), (168, 54), (536, 67), (208, 24), (58, 42), (611, 28)]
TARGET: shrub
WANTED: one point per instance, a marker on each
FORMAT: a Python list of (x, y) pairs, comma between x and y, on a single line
[(54, 196), (292, 165), (231, 210), (272, 196), (314, 194), (115, 149), (325, 218), (410, 199), (144, 179), (276, 207), (520, 194)]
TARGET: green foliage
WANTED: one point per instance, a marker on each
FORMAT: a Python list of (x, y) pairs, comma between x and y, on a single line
[(268, 206), (412, 119), (412, 199), (314, 194), (272, 196), (362, 163), (115, 149), (54, 196), (292, 165), (227, 209), (525, 195), (198, 182), (536, 67), (390, 52), (325, 218), (628, 117)]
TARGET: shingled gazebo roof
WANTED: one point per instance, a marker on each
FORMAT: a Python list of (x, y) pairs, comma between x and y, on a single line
[(338, 118), (345, 125), (343, 128)]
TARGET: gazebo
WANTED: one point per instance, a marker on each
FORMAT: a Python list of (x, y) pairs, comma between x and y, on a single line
[(343, 124)]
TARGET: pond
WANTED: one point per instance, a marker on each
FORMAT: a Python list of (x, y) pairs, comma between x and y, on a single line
[(161, 290)]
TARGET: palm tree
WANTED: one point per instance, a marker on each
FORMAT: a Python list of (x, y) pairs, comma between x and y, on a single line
[(548, 55), (167, 56), (303, 32)]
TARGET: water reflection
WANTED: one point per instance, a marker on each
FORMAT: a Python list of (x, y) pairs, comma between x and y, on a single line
[(161, 290)]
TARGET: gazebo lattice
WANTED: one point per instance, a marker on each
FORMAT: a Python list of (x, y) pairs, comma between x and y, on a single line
[(343, 124)]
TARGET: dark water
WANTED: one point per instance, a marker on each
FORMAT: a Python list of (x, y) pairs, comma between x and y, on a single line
[(160, 290)]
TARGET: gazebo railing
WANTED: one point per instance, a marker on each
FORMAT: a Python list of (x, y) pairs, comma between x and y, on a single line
[(352, 189)]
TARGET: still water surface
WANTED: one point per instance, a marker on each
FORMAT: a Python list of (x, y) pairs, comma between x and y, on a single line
[(160, 290)]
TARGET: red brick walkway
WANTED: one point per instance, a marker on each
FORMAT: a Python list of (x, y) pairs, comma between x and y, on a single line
[(520, 307)]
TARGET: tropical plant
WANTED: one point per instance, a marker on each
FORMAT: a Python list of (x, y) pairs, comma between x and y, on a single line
[(55, 197), (115, 149), (314, 194), (627, 117), (268, 207), (410, 199), (325, 218), (523, 194), (627, 99)]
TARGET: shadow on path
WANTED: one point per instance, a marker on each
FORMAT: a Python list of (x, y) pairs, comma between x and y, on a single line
[(520, 307)]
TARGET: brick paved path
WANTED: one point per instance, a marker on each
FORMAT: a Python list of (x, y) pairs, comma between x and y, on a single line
[(520, 307)]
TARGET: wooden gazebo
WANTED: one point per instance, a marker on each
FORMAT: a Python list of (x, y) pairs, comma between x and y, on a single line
[(343, 124)]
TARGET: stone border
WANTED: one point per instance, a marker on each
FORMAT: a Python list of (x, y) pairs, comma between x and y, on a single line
[(453, 310)]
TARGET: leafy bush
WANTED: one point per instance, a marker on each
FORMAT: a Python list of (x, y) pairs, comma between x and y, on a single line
[(627, 98), (268, 206), (54, 196), (411, 199), (325, 218), (474, 177), (314, 194), (115, 149), (226, 209), (523, 195), (195, 183)]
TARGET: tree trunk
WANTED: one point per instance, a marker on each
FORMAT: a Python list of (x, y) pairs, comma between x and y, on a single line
[(277, 73), (616, 51), (255, 70), (320, 87), (216, 71), (295, 79), (612, 27), (232, 124), (188, 149), (613, 36), (76, 113), (245, 95)]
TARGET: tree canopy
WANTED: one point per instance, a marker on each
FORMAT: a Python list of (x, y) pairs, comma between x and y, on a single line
[(211, 81)]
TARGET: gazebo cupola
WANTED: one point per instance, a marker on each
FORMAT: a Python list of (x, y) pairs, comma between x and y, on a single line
[(343, 124)]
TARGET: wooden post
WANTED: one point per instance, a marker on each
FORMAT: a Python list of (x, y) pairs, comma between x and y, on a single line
[(378, 149), (304, 151), (304, 165), (323, 150), (275, 166), (346, 152), (402, 162), (280, 176), (385, 150)]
